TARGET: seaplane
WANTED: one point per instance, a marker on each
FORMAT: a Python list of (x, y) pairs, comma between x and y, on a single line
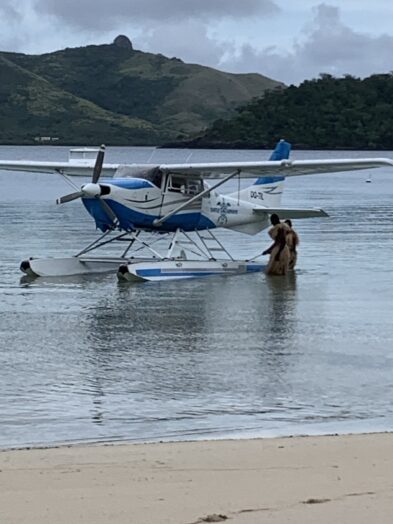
[(136, 206)]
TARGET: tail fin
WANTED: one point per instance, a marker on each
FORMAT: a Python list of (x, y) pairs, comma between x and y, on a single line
[(267, 190), (281, 151)]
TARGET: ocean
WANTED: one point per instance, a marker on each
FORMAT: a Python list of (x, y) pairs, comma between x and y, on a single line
[(89, 359)]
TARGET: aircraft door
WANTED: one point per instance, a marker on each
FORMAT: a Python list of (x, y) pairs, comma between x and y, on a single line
[(178, 189)]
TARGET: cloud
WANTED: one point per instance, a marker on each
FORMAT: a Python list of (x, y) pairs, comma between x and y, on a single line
[(11, 19), (23, 29), (98, 14), (9, 12), (182, 28), (189, 41), (342, 50), (228, 34), (326, 46)]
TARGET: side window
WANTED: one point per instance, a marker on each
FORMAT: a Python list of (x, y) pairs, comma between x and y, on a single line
[(175, 183), (184, 185), (194, 186)]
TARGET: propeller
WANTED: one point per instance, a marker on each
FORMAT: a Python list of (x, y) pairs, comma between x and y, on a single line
[(92, 189), (70, 197), (98, 165)]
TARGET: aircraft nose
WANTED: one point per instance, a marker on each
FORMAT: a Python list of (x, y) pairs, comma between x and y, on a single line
[(91, 190)]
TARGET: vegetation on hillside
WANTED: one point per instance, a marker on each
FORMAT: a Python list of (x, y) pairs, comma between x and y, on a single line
[(324, 113), (30, 107), (114, 94)]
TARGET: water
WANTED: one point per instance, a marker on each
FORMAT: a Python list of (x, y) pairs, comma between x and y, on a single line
[(89, 359)]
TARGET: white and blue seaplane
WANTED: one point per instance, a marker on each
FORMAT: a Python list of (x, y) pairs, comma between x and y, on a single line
[(137, 205)]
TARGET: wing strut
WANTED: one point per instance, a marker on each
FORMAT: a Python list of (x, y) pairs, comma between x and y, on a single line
[(159, 221)]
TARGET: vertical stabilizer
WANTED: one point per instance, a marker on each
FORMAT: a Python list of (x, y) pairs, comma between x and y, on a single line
[(281, 151), (267, 190)]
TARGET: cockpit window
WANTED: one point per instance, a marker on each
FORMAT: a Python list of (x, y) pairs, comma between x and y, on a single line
[(184, 185), (155, 177), (152, 174)]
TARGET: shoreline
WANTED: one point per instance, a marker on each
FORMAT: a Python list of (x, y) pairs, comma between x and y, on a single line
[(335, 478), (212, 147), (297, 432)]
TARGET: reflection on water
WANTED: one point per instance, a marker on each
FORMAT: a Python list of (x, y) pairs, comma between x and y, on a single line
[(88, 358)]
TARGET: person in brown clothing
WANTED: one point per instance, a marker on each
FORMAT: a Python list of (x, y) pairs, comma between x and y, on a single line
[(278, 251), (292, 242)]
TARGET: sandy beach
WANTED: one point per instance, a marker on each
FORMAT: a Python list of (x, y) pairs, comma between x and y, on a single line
[(343, 479)]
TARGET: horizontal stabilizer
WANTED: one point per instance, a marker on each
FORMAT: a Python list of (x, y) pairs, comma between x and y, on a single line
[(288, 212)]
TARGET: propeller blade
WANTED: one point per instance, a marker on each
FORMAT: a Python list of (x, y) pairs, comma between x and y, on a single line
[(108, 210), (98, 165), (69, 198)]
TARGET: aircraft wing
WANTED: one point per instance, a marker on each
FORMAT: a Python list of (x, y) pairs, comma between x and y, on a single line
[(284, 168), (218, 170), (291, 212), (65, 168)]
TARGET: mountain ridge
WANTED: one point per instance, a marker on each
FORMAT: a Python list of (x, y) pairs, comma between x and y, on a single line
[(116, 94)]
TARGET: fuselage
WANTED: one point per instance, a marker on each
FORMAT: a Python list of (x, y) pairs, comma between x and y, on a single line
[(139, 202)]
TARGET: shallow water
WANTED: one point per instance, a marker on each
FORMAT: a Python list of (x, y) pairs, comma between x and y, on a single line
[(91, 359)]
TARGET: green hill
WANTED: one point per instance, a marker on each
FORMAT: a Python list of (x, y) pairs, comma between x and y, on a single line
[(115, 94), (324, 113), (32, 107)]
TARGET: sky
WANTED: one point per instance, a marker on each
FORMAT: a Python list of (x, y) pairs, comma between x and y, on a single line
[(288, 40)]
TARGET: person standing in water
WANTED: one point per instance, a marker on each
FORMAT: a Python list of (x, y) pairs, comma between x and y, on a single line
[(292, 242), (278, 251)]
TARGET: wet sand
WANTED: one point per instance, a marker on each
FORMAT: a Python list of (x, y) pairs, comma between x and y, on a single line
[(344, 479)]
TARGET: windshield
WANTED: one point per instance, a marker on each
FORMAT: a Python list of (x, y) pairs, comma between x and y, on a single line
[(152, 174)]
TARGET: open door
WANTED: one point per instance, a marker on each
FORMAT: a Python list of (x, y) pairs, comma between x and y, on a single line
[(177, 190)]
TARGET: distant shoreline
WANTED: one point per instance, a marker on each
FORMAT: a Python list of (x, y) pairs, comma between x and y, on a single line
[(222, 147), (255, 147)]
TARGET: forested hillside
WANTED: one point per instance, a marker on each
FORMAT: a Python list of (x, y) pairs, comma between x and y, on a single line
[(114, 94), (325, 113)]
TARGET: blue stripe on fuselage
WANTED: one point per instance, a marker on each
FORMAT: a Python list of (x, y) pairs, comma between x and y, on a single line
[(269, 180), (130, 219)]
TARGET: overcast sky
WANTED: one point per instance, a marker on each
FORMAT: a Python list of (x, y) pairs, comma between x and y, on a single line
[(265, 36)]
